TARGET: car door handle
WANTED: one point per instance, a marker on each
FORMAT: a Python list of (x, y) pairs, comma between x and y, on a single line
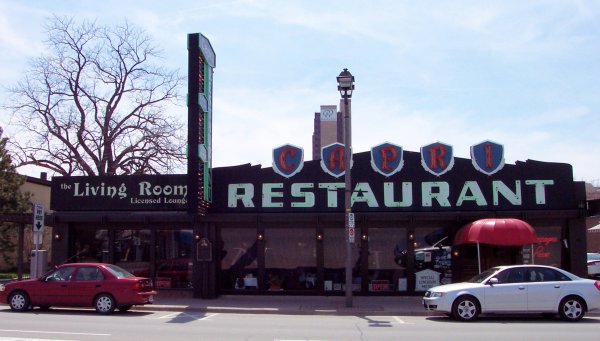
[(521, 288), (557, 286), (63, 286), (98, 285)]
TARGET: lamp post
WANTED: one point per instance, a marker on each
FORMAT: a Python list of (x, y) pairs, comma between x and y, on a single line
[(346, 86)]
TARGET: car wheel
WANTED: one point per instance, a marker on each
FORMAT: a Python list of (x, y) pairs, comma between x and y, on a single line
[(105, 304), (465, 308), (571, 309), (124, 308), (19, 301)]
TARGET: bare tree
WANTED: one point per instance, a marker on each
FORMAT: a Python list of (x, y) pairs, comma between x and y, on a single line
[(94, 104)]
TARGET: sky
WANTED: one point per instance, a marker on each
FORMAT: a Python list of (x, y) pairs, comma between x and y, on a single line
[(522, 73)]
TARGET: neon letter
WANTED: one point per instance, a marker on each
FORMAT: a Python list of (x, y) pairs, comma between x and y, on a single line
[(246, 196), (437, 154), (282, 155), (388, 154), (337, 154)]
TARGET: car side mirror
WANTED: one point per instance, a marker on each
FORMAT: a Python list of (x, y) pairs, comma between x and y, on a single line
[(493, 281)]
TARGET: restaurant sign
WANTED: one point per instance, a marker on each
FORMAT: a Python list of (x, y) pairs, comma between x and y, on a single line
[(288, 160), (114, 193), (399, 185), (387, 158), (389, 179), (487, 157)]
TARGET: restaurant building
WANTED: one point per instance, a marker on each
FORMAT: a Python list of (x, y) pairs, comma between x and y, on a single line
[(267, 233), (280, 230)]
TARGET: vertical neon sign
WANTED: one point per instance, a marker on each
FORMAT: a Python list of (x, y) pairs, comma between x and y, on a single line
[(201, 62)]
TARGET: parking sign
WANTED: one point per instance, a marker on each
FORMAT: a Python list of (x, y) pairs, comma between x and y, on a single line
[(38, 218)]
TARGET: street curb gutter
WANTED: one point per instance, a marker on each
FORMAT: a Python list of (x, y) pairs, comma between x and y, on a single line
[(285, 311), (300, 311)]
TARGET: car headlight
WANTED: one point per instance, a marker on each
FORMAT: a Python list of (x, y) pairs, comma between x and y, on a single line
[(2, 287), (437, 294)]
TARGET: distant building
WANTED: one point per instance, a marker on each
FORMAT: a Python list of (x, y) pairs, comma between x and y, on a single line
[(39, 188), (329, 128), (593, 219)]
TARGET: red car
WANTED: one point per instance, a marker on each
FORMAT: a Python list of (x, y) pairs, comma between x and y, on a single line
[(102, 286)]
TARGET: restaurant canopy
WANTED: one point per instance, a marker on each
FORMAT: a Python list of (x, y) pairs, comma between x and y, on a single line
[(496, 231)]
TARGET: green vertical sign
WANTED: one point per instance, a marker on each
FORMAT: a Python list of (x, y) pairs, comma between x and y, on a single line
[(201, 63)]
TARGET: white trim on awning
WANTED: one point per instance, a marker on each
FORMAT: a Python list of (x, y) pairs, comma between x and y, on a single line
[(594, 228)]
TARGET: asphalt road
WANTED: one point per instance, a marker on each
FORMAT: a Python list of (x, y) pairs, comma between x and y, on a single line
[(67, 324)]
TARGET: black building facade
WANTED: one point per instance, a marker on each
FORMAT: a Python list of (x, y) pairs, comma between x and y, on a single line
[(265, 233)]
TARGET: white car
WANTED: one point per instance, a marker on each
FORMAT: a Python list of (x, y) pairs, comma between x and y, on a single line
[(517, 289), (593, 264)]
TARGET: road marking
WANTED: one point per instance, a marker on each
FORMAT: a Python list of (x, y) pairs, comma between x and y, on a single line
[(199, 317), (27, 339), (208, 316), (50, 332), (401, 321), (168, 316)]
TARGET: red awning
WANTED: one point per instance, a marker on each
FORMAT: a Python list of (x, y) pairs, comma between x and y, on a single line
[(504, 232)]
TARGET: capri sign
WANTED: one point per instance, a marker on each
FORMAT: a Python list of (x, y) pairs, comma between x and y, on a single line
[(387, 158)]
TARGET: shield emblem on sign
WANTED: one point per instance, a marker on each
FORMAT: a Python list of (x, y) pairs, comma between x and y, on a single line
[(387, 159), (437, 158), (333, 159), (288, 160), (487, 157)]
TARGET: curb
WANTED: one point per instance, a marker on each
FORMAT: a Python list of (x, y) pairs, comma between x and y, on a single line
[(378, 311), (277, 311), (284, 311)]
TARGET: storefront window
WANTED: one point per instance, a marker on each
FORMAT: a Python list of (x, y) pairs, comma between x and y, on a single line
[(334, 246), (432, 258), (239, 264), (290, 259), (101, 248), (89, 245), (173, 259), (547, 251), (385, 273), (132, 251)]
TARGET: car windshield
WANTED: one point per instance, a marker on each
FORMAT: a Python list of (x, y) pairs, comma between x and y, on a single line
[(482, 276), (119, 272)]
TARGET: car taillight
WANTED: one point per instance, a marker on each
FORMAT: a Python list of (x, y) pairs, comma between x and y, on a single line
[(143, 284), (597, 285)]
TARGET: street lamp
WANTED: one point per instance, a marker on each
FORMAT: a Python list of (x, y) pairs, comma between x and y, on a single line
[(346, 86)]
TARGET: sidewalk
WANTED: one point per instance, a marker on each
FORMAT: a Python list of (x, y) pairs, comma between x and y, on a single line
[(297, 305), (308, 305), (294, 305)]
